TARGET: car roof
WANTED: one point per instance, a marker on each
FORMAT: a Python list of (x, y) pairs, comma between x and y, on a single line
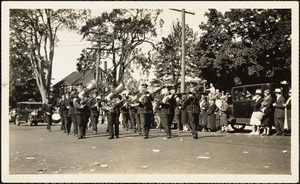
[(259, 84), (37, 103)]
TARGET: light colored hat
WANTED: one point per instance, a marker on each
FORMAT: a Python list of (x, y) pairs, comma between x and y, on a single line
[(267, 91), (258, 91), (277, 90)]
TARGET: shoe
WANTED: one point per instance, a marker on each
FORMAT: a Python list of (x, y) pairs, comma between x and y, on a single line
[(110, 137), (65, 131), (195, 136), (277, 134), (140, 133), (146, 137), (168, 137), (283, 134), (117, 136), (80, 137)]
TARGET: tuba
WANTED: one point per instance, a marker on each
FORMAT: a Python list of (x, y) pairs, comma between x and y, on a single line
[(112, 98), (91, 85)]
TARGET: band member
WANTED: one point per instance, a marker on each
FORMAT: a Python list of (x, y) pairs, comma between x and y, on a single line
[(145, 109), (72, 112), (124, 109), (112, 115), (61, 113), (94, 112), (166, 104), (133, 113), (80, 110), (65, 107), (178, 112), (279, 112), (184, 115), (193, 110), (48, 108)]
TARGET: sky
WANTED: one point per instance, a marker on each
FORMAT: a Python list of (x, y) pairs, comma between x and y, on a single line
[(71, 44)]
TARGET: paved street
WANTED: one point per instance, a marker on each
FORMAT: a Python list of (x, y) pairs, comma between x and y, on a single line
[(34, 150)]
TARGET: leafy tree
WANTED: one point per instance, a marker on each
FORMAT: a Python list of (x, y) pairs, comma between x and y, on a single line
[(168, 57), (35, 30), (120, 33), (244, 46), (22, 86)]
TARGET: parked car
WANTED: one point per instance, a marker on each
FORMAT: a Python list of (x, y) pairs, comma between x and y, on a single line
[(29, 112), (240, 110)]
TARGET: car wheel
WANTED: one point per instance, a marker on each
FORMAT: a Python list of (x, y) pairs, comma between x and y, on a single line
[(238, 127)]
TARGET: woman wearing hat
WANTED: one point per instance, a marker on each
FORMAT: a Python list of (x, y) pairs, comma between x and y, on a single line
[(256, 117), (279, 106), (266, 109)]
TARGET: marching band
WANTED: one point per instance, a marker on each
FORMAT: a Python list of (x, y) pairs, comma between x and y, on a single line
[(137, 109)]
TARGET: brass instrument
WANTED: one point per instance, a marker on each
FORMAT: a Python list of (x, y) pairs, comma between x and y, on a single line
[(166, 98), (111, 102), (91, 85), (79, 103), (110, 105)]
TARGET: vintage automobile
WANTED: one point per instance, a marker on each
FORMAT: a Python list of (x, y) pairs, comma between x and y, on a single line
[(29, 112), (240, 110)]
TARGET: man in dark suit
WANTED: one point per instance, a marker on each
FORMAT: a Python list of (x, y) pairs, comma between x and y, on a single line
[(61, 113), (145, 109), (65, 107), (193, 110), (279, 106), (94, 112), (48, 108), (166, 104)]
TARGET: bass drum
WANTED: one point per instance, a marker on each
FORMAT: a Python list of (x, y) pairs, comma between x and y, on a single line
[(55, 117)]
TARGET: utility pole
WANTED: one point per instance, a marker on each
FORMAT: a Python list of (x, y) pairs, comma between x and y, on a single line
[(98, 38), (182, 78)]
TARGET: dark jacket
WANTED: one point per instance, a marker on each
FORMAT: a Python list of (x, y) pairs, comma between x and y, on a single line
[(167, 107), (257, 104), (47, 108), (191, 105), (93, 108), (145, 106), (279, 107)]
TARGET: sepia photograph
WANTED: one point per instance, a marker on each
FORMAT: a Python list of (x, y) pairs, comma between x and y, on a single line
[(150, 92)]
